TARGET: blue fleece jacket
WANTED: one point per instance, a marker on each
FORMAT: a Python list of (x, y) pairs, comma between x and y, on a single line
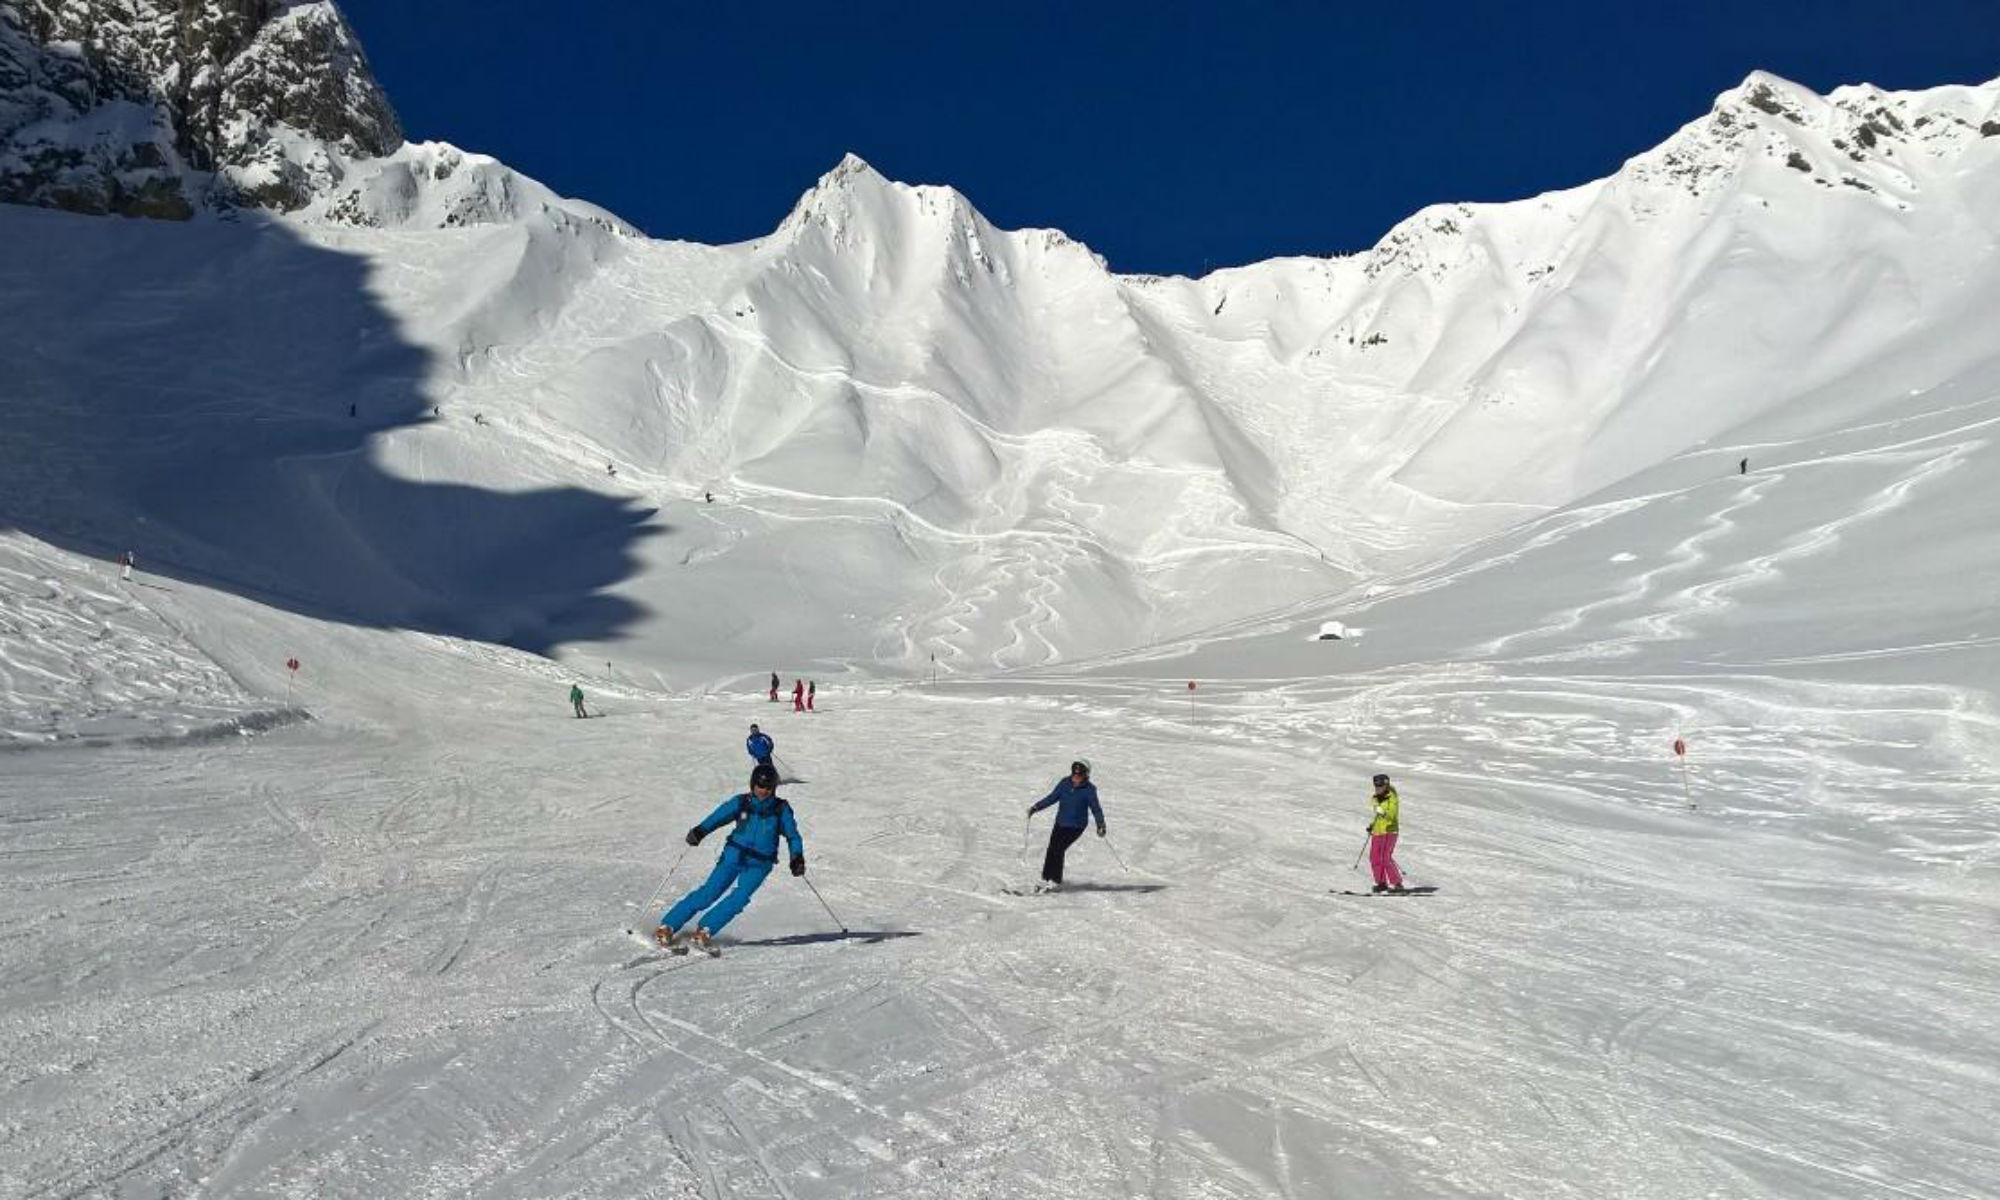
[(759, 745), (758, 824), (1076, 805)]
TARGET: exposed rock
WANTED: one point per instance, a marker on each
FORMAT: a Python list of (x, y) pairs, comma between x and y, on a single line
[(154, 107)]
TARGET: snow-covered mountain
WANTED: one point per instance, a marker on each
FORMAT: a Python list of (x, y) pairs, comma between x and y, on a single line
[(927, 436), (158, 109)]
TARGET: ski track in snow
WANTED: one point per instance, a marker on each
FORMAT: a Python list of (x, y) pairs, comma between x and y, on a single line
[(351, 960)]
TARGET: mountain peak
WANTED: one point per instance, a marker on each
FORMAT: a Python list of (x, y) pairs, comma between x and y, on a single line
[(851, 164), (1772, 95), (855, 193)]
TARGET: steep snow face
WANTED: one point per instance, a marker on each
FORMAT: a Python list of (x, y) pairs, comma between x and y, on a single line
[(1035, 458), (1787, 253), (995, 423)]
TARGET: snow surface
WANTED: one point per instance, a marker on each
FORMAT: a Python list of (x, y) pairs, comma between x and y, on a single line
[(361, 933)]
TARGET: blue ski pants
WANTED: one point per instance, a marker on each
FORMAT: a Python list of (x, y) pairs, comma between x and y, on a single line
[(734, 867)]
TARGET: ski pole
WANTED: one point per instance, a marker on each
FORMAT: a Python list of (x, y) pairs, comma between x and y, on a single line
[(1027, 828), (1116, 855), (1365, 839), (823, 904), (664, 881)]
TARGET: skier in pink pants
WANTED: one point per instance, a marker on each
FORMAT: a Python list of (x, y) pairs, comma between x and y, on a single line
[(1382, 837)]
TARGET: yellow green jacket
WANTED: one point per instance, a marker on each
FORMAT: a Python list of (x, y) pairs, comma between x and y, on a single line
[(1386, 808)]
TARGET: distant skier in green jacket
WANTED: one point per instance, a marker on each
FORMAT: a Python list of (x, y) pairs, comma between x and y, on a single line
[(576, 699)]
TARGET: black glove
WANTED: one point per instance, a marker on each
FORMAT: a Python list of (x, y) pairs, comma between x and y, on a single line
[(1100, 831), (695, 835), (798, 864)]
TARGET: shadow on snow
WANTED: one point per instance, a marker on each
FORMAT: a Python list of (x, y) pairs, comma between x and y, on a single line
[(183, 390), (1144, 889), (867, 936)]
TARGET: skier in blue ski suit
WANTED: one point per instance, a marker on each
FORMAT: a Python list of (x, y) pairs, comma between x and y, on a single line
[(1075, 799), (760, 816), (760, 746)]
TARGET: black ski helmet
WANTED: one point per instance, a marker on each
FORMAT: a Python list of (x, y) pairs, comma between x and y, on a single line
[(764, 775), (1381, 781)]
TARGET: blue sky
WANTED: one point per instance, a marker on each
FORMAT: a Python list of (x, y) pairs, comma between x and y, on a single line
[(1171, 138)]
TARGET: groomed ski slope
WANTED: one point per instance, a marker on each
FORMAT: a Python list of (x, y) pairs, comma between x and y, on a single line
[(381, 953)]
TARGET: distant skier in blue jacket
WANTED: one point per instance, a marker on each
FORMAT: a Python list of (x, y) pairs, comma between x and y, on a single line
[(760, 745), (1075, 799), (760, 816)]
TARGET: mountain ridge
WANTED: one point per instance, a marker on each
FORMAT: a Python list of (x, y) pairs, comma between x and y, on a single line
[(1016, 435)]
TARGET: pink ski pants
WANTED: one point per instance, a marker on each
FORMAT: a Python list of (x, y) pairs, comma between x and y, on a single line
[(1382, 860)]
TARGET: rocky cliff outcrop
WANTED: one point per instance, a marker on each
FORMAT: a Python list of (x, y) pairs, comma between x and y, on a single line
[(157, 107)]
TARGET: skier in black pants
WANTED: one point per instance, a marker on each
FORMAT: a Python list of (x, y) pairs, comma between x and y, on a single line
[(1076, 801)]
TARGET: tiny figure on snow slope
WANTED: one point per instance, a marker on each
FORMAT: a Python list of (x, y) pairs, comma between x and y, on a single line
[(760, 745), (774, 687), (576, 699), (798, 695), (1075, 798), (812, 687), (131, 560), (761, 816), (1382, 829)]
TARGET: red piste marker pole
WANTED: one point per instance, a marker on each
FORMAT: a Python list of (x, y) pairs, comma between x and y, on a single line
[(1681, 752)]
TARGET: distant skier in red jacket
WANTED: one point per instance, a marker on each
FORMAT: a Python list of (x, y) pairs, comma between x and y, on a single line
[(798, 695)]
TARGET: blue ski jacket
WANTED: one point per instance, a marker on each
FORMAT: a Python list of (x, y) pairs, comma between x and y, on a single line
[(759, 745), (758, 824), (1077, 805)]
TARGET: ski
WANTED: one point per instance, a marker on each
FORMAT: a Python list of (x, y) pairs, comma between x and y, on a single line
[(1415, 891)]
